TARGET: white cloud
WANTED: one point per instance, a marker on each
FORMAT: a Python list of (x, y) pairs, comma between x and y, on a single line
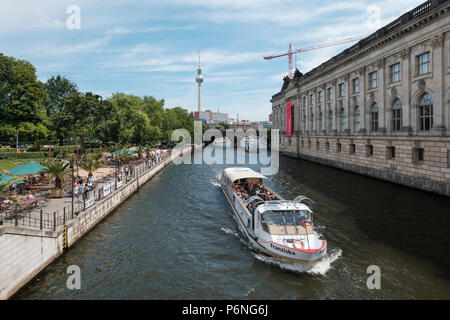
[(140, 45)]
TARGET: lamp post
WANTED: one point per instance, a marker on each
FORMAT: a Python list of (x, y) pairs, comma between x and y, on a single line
[(72, 181), (117, 168)]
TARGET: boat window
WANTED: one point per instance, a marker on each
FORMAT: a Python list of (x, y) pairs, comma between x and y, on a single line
[(288, 218), (272, 217), (285, 218), (301, 216)]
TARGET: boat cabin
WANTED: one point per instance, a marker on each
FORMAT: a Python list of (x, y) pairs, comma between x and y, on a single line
[(286, 222)]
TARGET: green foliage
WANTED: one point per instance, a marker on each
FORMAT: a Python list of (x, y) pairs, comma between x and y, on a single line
[(58, 170), (57, 111), (25, 155), (4, 187), (124, 158), (90, 164), (22, 101), (140, 150), (58, 89)]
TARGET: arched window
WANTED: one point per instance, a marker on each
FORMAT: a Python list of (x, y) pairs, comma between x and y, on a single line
[(426, 112), (330, 121), (397, 115), (357, 118), (374, 118), (343, 120)]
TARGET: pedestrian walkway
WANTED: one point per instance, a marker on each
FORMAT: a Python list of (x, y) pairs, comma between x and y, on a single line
[(58, 211)]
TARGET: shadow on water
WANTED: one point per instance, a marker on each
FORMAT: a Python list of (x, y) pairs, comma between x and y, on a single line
[(412, 221)]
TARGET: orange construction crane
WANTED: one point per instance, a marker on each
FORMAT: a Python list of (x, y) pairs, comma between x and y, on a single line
[(320, 46)]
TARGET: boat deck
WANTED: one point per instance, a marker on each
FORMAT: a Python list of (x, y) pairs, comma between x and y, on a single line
[(290, 230)]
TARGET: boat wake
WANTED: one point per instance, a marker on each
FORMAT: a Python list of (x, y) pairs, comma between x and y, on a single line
[(320, 267), (229, 231), (215, 184)]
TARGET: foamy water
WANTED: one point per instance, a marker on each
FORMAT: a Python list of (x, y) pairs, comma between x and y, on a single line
[(320, 267), (229, 231), (215, 184)]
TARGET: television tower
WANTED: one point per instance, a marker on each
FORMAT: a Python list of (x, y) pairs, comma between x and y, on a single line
[(199, 80)]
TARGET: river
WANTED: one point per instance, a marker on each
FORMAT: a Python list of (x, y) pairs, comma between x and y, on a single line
[(176, 238)]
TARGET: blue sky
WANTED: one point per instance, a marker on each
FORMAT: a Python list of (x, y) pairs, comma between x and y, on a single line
[(148, 47)]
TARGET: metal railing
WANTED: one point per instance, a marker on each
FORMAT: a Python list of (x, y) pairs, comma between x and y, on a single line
[(51, 220)]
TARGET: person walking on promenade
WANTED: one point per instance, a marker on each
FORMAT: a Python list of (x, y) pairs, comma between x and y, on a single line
[(91, 182), (75, 190), (82, 191)]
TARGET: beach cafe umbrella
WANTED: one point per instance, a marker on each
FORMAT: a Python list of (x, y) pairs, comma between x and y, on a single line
[(27, 168), (122, 152), (5, 178)]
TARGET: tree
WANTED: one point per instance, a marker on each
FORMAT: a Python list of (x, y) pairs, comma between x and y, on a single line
[(82, 111), (22, 100), (90, 164), (58, 170), (130, 121), (57, 89), (4, 187)]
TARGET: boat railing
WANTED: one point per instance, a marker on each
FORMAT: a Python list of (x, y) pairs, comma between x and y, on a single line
[(304, 200)]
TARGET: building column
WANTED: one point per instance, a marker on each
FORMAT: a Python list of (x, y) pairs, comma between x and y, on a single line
[(382, 102), (347, 104), (405, 55), (438, 90), (308, 122), (335, 107), (362, 104)]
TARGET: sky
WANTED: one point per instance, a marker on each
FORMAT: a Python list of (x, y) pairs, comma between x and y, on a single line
[(150, 47)]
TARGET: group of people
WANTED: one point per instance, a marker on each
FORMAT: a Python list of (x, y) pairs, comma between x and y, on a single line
[(246, 190), (83, 186), (22, 148), (127, 170), (31, 180), (154, 157)]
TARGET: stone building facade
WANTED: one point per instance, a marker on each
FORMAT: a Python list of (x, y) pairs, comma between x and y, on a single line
[(379, 108)]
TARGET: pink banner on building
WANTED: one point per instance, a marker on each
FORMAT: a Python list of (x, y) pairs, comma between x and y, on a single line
[(288, 119)]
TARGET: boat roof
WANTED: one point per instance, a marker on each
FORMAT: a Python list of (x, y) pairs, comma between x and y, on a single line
[(234, 174), (281, 205)]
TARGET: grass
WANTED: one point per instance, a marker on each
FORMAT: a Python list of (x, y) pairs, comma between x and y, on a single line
[(11, 163)]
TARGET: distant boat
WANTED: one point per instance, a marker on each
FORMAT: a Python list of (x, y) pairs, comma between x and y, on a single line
[(277, 227), (252, 144)]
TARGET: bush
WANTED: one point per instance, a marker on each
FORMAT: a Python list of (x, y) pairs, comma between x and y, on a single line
[(25, 155), (7, 149), (34, 148)]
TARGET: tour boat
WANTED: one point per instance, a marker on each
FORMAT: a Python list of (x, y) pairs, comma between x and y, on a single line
[(277, 227), (252, 144)]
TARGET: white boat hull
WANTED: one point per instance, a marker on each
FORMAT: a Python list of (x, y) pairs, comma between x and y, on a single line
[(274, 249)]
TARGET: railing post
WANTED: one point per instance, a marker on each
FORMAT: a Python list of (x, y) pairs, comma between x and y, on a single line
[(15, 218), (84, 203), (64, 219), (54, 220), (40, 219)]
